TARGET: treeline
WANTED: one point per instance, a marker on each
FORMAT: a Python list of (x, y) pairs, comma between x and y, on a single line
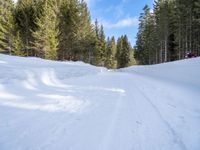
[(169, 31), (59, 30)]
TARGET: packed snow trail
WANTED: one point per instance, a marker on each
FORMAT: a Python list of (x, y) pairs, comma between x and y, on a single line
[(46, 105)]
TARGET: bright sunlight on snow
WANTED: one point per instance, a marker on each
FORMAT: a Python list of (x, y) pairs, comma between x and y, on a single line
[(49, 105)]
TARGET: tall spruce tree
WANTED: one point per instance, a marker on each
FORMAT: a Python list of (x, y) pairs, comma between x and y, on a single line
[(68, 29), (144, 38), (119, 50), (125, 55), (111, 53), (26, 13), (100, 45), (45, 36), (6, 26), (96, 56), (85, 35), (17, 44)]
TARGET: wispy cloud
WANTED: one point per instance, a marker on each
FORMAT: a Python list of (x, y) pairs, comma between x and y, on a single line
[(126, 22), (118, 9), (92, 2)]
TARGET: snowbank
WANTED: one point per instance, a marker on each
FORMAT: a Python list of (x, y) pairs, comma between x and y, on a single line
[(185, 72)]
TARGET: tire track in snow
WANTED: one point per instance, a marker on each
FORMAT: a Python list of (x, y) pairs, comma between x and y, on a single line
[(177, 138), (138, 122), (107, 138)]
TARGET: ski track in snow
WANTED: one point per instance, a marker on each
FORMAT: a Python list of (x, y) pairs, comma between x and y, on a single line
[(46, 105), (113, 122), (175, 136)]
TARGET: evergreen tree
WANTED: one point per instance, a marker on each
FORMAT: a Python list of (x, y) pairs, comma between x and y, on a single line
[(196, 28), (111, 53), (45, 37), (6, 26), (96, 58), (68, 29), (119, 50), (125, 55), (17, 45), (26, 13), (85, 35), (100, 45), (145, 37)]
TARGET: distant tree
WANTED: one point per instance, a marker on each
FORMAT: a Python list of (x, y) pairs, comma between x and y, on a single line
[(111, 53), (125, 55), (119, 50)]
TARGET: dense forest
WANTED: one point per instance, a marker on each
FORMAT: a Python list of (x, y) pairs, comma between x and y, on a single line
[(62, 30), (169, 31), (59, 30)]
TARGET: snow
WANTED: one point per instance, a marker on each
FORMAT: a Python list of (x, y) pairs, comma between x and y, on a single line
[(49, 105)]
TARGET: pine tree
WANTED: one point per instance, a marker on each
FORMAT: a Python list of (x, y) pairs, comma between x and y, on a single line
[(6, 26), (144, 38), (17, 45), (196, 28), (119, 51), (85, 35), (96, 56), (125, 55), (68, 29), (26, 13), (45, 37), (111, 53), (100, 45)]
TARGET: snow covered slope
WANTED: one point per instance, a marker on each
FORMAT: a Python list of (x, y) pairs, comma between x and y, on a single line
[(46, 105)]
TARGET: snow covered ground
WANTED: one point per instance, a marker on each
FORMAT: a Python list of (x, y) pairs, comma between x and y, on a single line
[(46, 105)]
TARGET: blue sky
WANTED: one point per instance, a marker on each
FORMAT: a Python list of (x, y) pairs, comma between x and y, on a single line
[(118, 17)]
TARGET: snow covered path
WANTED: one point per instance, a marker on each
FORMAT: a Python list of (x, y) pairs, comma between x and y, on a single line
[(48, 105)]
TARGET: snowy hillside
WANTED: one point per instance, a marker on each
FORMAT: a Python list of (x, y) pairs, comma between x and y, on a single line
[(47, 105)]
